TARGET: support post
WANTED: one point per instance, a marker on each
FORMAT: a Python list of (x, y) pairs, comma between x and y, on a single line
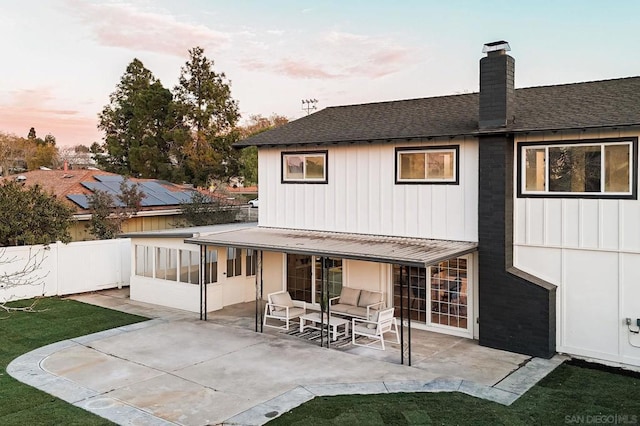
[(322, 306), (325, 276), (401, 283), (409, 316)]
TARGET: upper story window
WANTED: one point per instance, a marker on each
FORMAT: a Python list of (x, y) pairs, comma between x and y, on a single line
[(304, 167), (587, 169), (434, 164)]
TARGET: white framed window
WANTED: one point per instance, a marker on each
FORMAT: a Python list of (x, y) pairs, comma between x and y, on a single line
[(189, 267), (595, 168), (251, 262), (304, 167), (211, 265), (431, 165), (166, 264), (144, 261), (234, 262)]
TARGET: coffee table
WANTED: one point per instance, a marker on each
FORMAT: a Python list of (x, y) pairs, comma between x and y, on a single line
[(334, 323)]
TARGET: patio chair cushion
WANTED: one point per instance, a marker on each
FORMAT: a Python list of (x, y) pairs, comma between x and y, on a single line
[(349, 310), (369, 298), (365, 329), (282, 299), (349, 296), (293, 312), (375, 320)]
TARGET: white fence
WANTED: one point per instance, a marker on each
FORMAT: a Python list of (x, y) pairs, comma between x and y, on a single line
[(66, 268)]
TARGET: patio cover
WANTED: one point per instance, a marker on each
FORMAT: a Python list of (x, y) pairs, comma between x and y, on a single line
[(420, 252)]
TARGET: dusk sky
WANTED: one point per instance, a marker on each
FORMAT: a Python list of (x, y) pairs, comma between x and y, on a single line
[(62, 58)]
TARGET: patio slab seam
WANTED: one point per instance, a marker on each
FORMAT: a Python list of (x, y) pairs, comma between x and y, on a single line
[(28, 369)]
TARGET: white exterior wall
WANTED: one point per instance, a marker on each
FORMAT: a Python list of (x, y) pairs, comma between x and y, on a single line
[(361, 195), (68, 268), (174, 294), (591, 250)]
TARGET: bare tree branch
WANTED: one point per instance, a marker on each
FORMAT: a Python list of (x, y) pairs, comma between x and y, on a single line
[(12, 279)]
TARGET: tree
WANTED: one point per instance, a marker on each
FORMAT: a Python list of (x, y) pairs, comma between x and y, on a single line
[(12, 153), (138, 124), (209, 114), (249, 155), (108, 212), (18, 154), (49, 139), (31, 216), (43, 155), (203, 209)]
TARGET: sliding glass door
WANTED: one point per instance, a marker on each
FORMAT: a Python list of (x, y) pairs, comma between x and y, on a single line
[(304, 277)]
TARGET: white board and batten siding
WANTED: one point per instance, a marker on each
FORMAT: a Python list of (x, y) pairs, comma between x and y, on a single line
[(589, 248), (361, 195)]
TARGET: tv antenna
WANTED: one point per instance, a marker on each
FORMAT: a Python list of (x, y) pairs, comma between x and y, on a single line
[(309, 105)]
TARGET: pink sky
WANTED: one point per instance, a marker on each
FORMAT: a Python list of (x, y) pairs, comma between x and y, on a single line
[(67, 56)]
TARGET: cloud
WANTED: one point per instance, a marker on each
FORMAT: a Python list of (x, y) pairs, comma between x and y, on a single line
[(23, 109), (124, 25), (338, 55)]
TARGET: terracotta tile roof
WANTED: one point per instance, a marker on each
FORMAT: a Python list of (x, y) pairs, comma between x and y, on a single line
[(61, 183), (242, 189), (606, 103)]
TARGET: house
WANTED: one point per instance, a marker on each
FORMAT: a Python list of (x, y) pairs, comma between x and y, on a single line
[(509, 216), (160, 207)]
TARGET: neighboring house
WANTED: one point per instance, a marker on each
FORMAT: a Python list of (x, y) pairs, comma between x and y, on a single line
[(510, 216), (160, 207)]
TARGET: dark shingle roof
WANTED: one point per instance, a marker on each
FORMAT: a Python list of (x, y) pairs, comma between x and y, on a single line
[(606, 103)]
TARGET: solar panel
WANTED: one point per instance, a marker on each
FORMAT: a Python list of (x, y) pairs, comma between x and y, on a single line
[(113, 186), (79, 199), (100, 186), (150, 201), (183, 196), (108, 178), (155, 194)]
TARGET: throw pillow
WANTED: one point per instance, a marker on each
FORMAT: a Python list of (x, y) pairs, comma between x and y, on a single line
[(368, 298), (349, 296)]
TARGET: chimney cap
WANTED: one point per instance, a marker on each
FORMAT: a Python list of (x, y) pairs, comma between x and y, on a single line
[(496, 46)]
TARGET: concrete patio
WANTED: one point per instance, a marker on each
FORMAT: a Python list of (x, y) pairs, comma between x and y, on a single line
[(176, 369)]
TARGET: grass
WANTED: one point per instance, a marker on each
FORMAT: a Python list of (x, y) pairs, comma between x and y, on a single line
[(22, 332), (574, 393)]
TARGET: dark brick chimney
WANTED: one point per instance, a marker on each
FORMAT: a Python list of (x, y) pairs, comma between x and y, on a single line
[(497, 92)]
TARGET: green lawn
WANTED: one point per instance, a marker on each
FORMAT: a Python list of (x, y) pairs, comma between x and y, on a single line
[(22, 332), (572, 394)]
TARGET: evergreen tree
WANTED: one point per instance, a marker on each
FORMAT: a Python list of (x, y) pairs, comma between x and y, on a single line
[(209, 114), (137, 123)]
